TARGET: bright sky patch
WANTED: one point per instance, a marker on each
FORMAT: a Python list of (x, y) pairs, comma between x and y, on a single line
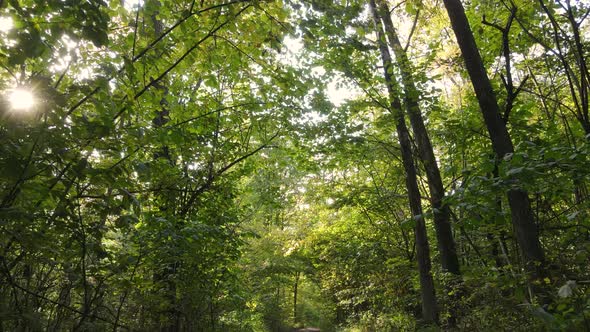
[(6, 24)]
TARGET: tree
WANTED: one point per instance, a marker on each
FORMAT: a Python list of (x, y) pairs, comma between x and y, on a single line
[(429, 306), (522, 216), (126, 229), (441, 211), (246, 166)]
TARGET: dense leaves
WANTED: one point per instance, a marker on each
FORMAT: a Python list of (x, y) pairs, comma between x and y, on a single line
[(234, 166)]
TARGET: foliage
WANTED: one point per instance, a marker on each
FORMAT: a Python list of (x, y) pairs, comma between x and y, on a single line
[(185, 168)]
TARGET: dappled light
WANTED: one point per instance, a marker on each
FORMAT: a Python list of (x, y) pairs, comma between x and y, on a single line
[(282, 166)]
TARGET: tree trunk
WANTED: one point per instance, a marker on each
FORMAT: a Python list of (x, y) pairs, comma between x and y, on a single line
[(429, 305), (522, 217), (442, 213), (295, 288), (162, 117)]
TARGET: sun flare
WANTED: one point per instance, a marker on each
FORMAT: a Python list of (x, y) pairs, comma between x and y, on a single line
[(21, 99)]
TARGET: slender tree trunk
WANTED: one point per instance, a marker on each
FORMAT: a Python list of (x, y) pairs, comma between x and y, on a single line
[(295, 288), (429, 305), (522, 216), (442, 215)]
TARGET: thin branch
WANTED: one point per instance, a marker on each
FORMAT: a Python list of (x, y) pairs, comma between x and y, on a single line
[(9, 71), (475, 248), (584, 16), (507, 81), (521, 86), (203, 188), (213, 112), (179, 60), (412, 30), (63, 74), (283, 25), (62, 305), (135, 29), (149, 47)]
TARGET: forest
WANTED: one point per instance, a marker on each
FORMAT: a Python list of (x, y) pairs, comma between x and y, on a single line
[(288, 165)]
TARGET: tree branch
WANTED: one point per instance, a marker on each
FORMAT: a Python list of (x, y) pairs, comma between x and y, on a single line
[(203, 188), (412, 30), (149, 47)]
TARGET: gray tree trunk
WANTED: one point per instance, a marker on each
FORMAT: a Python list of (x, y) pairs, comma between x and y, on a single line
[(442, 213), (429, 304)]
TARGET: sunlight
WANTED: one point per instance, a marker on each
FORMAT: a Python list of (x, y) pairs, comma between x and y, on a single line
[(6, 24), (21, 99), (293, 44), (339, 94), (132, 4)]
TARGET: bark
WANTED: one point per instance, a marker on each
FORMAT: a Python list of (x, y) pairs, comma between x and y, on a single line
[(495, 249), (522, 216), (444, 234), (429, 305)]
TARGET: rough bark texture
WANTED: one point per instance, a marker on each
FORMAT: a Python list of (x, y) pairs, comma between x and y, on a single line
[(429, 305), (522, 217), (442, 213)]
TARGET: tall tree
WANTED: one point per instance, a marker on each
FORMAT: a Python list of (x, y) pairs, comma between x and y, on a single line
[(429, 305), (522, 217), (441, 211)]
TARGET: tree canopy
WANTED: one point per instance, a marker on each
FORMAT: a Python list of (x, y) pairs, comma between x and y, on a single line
[(247, 165)]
